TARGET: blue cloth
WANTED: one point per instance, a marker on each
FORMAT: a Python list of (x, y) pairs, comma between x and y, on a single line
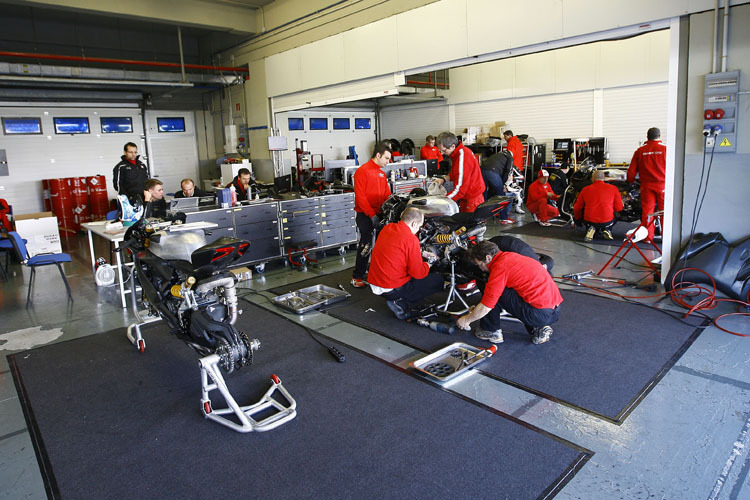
[(494, 186)]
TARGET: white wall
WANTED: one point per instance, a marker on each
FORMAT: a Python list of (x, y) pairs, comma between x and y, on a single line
[(332, 144), (471, 28), (570, 92), (32, 158)]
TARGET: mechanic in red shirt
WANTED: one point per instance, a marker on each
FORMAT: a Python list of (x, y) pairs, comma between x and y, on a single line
[(649, 163), (517, 284), (468, 184), (516, 149), (431, 152), (596, 206), (370, 191), (539, 197), (397, 271)]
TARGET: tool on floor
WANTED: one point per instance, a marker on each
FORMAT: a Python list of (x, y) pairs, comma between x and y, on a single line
[(437, 326)]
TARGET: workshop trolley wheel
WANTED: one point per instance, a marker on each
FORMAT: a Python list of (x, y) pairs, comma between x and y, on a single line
[(342, 250), (260, 268)]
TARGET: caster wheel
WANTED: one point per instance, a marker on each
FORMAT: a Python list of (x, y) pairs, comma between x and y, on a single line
[(342, 250), (141, 346), (260, 268)]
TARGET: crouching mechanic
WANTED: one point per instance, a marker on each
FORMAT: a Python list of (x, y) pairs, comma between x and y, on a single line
[(541, 201), (596, 206), (518, 284), (397, 271)]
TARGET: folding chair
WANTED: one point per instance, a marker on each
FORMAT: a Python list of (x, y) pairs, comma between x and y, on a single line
[(37, 261), (630, 242)]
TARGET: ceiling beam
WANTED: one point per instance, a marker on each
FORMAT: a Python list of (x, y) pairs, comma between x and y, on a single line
[(228, 17)]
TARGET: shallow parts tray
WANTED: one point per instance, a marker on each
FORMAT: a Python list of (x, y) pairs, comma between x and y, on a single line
[(451, 361), (309, 298)]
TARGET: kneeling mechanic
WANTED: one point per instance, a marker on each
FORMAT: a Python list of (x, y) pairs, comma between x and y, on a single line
[(518, 284), (397, 271)]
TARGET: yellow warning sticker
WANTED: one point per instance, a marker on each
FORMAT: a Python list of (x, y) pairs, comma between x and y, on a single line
[(725, 143)]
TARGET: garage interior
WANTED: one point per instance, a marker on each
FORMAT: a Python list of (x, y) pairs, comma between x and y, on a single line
[(237, 76)]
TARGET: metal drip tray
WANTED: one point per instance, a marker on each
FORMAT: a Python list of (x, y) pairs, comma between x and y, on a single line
[(451, 361), (309, 298)]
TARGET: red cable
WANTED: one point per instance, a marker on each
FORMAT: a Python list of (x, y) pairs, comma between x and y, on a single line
[(682, 290)]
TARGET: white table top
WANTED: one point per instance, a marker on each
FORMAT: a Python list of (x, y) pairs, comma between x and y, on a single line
[(99, 228)]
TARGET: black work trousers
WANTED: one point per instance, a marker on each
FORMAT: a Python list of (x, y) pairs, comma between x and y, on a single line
[(364, 248), (415, 290), (530, 316)]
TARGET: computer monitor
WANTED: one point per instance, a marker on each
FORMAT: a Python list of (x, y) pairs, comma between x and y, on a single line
[(283, 184), (432, 168), (207, 201), (183, 204)]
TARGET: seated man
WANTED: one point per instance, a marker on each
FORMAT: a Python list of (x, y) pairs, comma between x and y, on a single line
[(519, 285), (596, 206), (397, 271), (541, 201), (244, 185), (153, 195), (188, 190)]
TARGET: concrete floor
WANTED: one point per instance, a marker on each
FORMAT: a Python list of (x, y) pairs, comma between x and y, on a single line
[(688, 439)]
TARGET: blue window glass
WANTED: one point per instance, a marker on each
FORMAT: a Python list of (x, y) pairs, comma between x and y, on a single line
[(22, 126), (362, 123), (72, 125), (296, 124), (117, 125), (341, 124), (171, 124), (318, 123)]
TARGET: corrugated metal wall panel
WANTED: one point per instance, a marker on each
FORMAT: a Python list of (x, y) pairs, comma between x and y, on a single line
[(414, 122), (628, 113), (541, 117)]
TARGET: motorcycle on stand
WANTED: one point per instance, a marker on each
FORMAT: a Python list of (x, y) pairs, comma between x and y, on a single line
[(185, 283), (447, 233)]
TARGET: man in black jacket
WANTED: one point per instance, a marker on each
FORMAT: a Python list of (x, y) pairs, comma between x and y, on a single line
[(188, 190), (244, 185), (153, 196), (496, 172), (130, 175)]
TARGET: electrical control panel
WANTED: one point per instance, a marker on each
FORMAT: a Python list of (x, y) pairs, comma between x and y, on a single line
[(720, 111)]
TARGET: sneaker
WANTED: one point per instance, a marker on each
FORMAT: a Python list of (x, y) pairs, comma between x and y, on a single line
[(589, 234), (495, 337), (607, 234), (541, 334), (507, 221), (397, 309), (657, 261), (471, 285), (358, 283), (544, 223), (519, 210)]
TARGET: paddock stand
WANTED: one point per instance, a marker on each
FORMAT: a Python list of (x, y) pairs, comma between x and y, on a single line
[(137, 338), (244, 414), (453, 294)]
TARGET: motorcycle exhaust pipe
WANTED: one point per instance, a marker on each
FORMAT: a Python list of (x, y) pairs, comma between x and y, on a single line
[(230, 294)]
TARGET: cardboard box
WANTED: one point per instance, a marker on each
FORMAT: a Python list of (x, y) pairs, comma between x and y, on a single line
[(242, 273), (40, 232)]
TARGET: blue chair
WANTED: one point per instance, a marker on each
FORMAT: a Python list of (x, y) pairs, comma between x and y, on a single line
[(5, 247), (37, 261), (112, 215)]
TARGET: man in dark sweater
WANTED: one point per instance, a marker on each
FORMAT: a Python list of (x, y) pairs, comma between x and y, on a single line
[(130, 175), (188, 190)]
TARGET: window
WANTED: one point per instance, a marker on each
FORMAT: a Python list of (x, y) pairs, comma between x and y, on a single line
[(296, 124), (170, 124), (117, 125), (341, 124), (72, 125), (362, 123), (22, 126), (318, 123)]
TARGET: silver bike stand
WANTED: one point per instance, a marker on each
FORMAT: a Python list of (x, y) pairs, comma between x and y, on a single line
[(243, 414), (142, 319), (453, 294)]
